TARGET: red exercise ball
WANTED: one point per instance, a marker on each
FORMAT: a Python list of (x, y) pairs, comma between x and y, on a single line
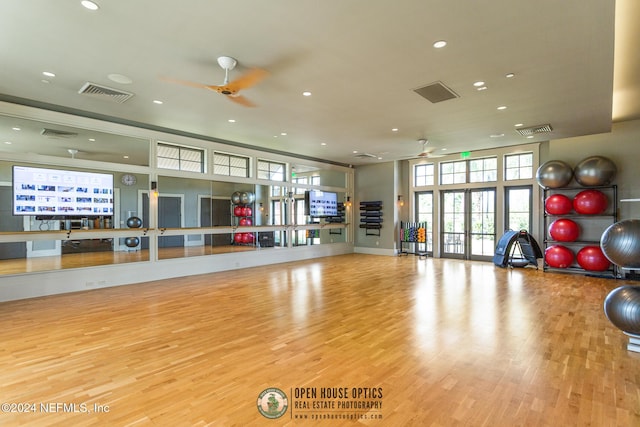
[(592, 258), (238, 211), (246, 211), (558, 256), (590, 202), (558, 204), (247, 238), (564, 230), (237, 237), (245, 221)]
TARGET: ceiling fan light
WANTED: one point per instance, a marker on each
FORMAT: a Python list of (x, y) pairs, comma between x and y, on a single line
[(90, 4), (227, 62)]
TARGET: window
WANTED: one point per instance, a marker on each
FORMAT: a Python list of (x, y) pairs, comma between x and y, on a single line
[(483, 170), (518, 166), (272, 171), (518, 203), (453, 172), (423, 175), (180, 158), (313, 180), (230, 165)]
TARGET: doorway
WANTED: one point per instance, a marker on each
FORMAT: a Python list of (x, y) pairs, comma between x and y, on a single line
[(468, 224), (169, 216), (213, 213)]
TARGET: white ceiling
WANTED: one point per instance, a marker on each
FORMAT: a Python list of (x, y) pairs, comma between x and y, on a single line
[(361, 59)]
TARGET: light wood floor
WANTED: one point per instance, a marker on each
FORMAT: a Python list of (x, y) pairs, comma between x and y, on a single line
[(449, 343)]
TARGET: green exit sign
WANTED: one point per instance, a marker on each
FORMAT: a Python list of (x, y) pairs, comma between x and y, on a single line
[(465, 154)]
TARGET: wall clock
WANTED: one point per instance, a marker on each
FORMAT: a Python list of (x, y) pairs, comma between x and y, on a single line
[(128, 179)]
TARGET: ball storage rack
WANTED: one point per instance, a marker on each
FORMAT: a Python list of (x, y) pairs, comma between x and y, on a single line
[(413, 235)]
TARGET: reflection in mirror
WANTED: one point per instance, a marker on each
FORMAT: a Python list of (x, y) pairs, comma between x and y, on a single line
[(64, 205), (24, 136), (304, 174), (32, 256)]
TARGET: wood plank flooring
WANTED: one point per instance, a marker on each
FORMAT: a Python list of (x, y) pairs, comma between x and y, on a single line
[(446, 343)]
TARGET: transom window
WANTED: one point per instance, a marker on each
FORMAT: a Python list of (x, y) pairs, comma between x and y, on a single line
[(230, 165), (518, 166), (177, 157), (272, 171), (483, 170), (453, 172), (423, 175)]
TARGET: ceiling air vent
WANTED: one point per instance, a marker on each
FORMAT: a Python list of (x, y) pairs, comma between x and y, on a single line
[(104, 92), (365, 156), (532, 130), (436, 92), (53, 133)]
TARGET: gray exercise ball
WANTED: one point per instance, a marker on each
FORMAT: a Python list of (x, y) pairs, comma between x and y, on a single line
[(622, 308), (554, 174), (235, 198), (131, 242), (246, 198), (594, 171), (620, 243), (134, 222)]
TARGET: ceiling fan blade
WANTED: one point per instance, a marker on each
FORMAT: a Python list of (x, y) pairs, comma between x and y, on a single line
[(246, 80), (239, 99), (188, 83)]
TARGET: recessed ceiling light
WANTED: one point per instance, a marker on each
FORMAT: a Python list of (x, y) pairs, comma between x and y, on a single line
[(119, 78), (510, 75), (92, 140), (394, 130), (157, 101), (482, 88), (379, 158), (48, 74), (16, 128), (8, 142), (283, 133), (478, 83), (125, 157), (502, 107), (355, 151), (306, 93), (530, 136), (518, 125), (231, 120), (496, 135), (323, 143), (440, 44), (90, 4)]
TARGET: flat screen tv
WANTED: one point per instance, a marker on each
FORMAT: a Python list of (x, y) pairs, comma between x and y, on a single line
[(61, 193), (319, 204)]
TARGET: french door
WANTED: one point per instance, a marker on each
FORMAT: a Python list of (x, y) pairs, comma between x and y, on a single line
[(467, 226)]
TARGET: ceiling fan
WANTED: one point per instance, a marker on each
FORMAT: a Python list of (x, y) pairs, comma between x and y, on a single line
[(427, 152), (230, 88)]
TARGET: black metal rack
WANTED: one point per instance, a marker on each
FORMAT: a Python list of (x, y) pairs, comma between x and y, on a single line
[(597, 222)]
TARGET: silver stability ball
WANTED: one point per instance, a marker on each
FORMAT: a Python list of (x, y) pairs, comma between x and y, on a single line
[(131, 242), (235, 198), (620, 243), (622, 307), (554, 174), (134, 222), (246, 198), (594, 171)]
